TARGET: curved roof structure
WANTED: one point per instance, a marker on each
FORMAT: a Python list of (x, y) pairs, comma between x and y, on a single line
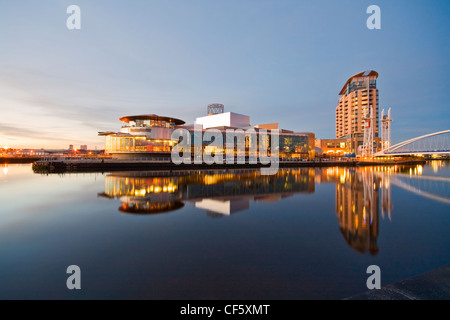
[(105, 133), (360, 74), (128, 119)]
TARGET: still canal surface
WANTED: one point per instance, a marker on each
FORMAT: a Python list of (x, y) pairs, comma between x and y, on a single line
[(307, 233)]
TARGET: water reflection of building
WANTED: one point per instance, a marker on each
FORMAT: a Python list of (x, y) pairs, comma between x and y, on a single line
[(227, 192), (219, 207), (357, 208), (220, 192), (5, 168), (143, 194), (357, 205), (385, 189), (361, 195)]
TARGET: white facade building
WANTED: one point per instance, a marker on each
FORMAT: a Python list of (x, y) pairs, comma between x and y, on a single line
[(226, 119)]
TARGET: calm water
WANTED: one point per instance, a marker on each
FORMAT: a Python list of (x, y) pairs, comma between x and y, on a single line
[(302, 234)]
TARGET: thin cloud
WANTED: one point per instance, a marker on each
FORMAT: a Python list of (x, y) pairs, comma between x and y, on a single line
[(15, 131)]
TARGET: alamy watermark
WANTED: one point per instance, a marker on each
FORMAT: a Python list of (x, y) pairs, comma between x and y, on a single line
[(74, 280), (374, 280), (240, 147), (73, 22), (374, 21)]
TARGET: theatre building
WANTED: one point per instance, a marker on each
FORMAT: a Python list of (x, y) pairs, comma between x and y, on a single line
[(143, 136), (150, 136)]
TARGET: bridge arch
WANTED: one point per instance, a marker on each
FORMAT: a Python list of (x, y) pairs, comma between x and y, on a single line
[(432, 143)]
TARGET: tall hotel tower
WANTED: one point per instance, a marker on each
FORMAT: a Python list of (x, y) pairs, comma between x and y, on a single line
[(357, 108)]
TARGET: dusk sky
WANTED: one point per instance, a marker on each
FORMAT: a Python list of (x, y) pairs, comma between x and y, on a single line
[(276, 61)]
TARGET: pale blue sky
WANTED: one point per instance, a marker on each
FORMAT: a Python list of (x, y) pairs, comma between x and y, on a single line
[(276, 61)]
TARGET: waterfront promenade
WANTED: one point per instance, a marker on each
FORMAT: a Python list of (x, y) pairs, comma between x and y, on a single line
[(103, 165)]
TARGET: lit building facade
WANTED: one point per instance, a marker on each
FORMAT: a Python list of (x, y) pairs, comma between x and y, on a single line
[(144, 136), (150, 136), (359, 96), (333, 147), (291, 145)]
